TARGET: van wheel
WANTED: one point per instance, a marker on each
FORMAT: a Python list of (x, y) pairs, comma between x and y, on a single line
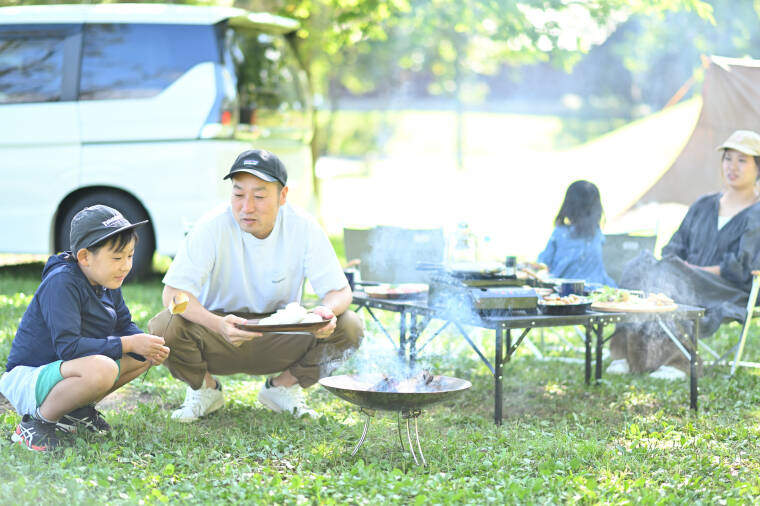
[(143, 259)]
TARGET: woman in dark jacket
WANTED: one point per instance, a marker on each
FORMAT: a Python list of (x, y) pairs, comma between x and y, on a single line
[(707, 263)]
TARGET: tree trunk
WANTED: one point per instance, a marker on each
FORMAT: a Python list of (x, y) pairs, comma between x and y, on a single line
[(459, 105)]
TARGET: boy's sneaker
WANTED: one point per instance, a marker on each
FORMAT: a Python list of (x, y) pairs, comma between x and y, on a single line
[(288, 399), (86, 417), (199, 403), (36, 435)]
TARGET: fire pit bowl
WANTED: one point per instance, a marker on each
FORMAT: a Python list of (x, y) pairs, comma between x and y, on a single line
[(407, 396), (358, 390)]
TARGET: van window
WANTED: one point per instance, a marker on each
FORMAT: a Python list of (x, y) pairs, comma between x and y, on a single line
[(31, 69), (271, 84), (140, 60)]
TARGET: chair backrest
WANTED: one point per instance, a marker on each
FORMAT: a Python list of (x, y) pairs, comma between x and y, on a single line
[(356, 244), (619, 249), (390, 254)]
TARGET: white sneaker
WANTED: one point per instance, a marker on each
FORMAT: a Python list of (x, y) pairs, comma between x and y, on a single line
[(199, 403), (619, 366), (288, 399), (668, 372)]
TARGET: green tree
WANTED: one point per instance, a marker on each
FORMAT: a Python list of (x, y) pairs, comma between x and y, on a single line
[(663, 50), (455, 41), (356, 43), (451, 39)]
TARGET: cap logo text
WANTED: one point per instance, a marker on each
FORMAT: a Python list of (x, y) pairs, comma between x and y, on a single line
[(114, 221), (250, 162)]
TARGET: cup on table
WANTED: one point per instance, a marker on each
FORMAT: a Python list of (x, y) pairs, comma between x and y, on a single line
[(350, 277), (571, 286), (510, 265)]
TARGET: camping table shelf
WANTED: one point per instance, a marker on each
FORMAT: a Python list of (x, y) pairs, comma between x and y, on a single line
[(416, 315), (410, 310)]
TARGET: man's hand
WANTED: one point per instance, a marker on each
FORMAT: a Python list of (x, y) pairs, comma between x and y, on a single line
[(234, 335), (326, 313), (149, 346)]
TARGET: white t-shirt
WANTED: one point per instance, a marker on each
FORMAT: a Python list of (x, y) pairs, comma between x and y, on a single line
[(232, 271)]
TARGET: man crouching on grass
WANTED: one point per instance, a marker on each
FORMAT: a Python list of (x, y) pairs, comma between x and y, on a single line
[(76, 342)]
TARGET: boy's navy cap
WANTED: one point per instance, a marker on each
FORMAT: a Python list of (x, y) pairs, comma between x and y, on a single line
[(262, 164), (95, 223)]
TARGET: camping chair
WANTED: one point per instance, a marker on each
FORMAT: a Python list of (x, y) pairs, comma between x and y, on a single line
[(356, 244), (751, 311), (390, 254), (619, 249)]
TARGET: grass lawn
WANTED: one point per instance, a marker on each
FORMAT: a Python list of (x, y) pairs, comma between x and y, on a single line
[(627, 440)]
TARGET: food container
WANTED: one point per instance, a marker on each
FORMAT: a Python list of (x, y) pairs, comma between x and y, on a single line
[(567, 305), (564, 309), (571, 286), (351, 278)]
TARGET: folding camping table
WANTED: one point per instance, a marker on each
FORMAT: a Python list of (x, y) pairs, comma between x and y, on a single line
[(415, 315)]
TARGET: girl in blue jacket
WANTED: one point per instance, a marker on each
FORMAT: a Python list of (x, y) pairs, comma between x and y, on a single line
[(574, 250)]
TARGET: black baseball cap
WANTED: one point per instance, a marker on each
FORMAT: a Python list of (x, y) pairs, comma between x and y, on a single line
[(262, 164), (96, 223)]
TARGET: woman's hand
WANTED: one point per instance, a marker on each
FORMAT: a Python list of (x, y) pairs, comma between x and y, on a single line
[(712, 269)]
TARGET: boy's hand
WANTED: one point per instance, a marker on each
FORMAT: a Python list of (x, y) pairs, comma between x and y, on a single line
[(149, 346), (234, 335), (159, 357)]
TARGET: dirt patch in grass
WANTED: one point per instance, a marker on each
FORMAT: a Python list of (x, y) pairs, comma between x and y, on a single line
[(127, 399), (4, 405), (121, 400)]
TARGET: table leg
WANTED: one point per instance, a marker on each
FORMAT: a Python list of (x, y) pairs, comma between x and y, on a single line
[(693, 364), (497, 375), (414, 333), (587, 342), (402, 345), (599, 349)]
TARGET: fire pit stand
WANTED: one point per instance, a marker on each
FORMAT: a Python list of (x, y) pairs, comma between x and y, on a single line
[(405, 415), (407, 405)]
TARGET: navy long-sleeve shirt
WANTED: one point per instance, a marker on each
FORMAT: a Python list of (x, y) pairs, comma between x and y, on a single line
[(70, 318)]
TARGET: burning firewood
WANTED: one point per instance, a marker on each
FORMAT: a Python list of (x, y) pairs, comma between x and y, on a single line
[(420, 382)]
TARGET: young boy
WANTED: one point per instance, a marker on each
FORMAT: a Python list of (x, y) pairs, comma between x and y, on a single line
[(76, 342)]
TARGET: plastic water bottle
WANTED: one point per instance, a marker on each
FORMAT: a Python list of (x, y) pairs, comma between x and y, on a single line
[(462, 245)]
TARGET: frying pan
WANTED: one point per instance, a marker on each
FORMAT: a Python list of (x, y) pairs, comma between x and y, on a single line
[(564, 309), (464, 270)]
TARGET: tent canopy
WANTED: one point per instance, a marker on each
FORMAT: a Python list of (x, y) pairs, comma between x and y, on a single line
[(730, 101)]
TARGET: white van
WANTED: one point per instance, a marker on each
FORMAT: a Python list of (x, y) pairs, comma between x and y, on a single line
[(143, 108)]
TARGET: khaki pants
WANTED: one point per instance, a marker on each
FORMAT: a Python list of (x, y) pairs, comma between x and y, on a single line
[(196, 350)]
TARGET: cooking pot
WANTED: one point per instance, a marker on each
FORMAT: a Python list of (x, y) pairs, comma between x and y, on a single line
[(465, 270)]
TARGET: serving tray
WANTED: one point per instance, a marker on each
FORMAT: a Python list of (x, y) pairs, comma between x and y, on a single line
[(628, 307), (253, 326)]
